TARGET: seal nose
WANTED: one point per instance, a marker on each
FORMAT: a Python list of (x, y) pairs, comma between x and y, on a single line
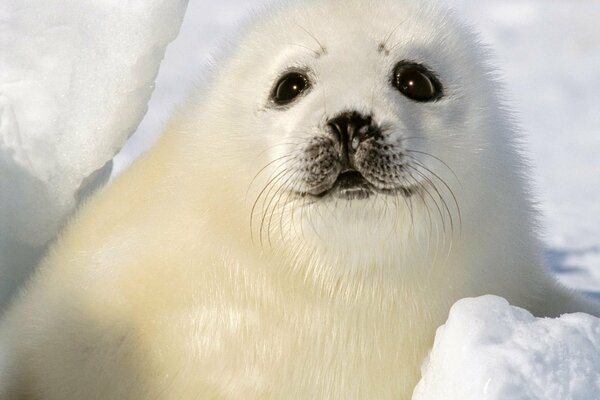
[(351, 128)]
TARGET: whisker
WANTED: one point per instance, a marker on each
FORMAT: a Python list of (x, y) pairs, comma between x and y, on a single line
[(430, 195), (279, 193), (316, 53), (387, 38), (410, 210), (265, 188), (325, 113), (432, 184), (416, 161), (266, 205), (262, 170), (438, 159), (285, 203), (312, 225), (323, 49), (420, 185), (413, 138), (302, 210)]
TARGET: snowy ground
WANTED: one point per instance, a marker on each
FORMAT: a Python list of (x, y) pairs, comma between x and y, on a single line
[(488, 350), (549, 53)]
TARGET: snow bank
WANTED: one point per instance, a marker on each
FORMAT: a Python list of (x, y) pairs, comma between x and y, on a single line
[(75, 80), (206, 27), (488, 350)]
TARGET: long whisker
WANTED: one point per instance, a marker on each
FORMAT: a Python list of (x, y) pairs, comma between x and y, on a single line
[(285, 203), (410, 210), (264, 189), (266, 204), (416, 161), (438, 159), (420, 185), (443, 220), (432, 184), (434, 187), (279, 193), (263, 169)]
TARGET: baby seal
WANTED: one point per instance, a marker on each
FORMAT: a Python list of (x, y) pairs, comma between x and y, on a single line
[(300, 230)]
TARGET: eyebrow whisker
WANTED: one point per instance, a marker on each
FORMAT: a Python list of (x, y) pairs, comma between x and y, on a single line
[(309, 33)]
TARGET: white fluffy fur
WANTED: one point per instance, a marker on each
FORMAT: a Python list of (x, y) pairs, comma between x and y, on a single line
[(161, 288)]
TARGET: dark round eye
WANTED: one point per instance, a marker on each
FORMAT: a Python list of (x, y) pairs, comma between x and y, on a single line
[(416, 82), (290, 86)]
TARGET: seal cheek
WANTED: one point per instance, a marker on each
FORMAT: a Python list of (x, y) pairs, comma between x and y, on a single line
[(318, 166)]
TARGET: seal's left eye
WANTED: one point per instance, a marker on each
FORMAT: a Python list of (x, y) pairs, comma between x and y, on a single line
[(416, 82), (289, 87)]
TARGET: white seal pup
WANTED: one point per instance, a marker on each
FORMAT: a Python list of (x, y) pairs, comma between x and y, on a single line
[(300, 230)]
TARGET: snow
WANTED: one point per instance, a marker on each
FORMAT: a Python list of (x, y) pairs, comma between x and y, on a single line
[(75, 80), (489, 350)]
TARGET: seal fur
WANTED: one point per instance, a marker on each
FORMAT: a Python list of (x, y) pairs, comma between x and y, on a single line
[(215, 268)]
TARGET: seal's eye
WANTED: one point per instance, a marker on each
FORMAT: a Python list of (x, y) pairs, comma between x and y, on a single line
[(416, 82), (290, 86)]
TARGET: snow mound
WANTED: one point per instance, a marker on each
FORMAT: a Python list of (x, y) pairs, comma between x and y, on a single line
[(75, 80), (489, 350)]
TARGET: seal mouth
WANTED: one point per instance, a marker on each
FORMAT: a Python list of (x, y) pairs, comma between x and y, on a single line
[(352, 185), (349, 185)]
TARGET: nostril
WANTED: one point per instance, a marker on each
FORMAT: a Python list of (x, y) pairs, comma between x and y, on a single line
[(339, 129), (351, 127)]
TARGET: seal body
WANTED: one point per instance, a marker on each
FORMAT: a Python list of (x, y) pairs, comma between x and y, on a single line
[(301, 228)]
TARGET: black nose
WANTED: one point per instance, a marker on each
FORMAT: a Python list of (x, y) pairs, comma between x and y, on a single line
[(351, 128)]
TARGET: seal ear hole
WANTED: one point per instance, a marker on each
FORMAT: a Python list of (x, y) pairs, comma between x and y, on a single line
[(290, 86), (416, 82)]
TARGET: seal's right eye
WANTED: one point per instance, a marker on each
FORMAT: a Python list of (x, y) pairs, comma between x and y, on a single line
[(289, 86)]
